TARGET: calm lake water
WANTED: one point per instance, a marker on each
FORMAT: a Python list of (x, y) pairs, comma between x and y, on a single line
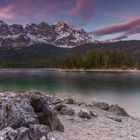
[(120, 88)]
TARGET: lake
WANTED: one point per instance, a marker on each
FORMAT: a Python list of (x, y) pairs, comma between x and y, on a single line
[(121, 88)]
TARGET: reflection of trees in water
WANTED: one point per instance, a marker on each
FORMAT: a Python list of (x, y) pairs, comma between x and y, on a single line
[(83, 82)]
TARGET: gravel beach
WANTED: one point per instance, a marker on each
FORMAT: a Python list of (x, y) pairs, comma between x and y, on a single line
[(38, 116)]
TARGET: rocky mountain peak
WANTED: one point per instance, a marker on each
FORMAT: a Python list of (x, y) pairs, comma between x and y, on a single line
[(43, 25), (32, 29), (16, 29), (62, 25), (60, 34), (4, 29), (2, 23)]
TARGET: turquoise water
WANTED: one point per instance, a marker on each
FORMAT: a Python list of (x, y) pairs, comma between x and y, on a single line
[(121, 88)]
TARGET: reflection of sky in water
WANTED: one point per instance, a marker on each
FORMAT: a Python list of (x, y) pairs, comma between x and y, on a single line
[(120, 88)]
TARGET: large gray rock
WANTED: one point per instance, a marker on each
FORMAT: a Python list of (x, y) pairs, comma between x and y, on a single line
[(59, 107), (116, 109), (14, 113), (36, 132), (27, 115), (8, 134), (22, 133), (101, 105), (45, 114), (84, 114), (67, 111), (69, 101)]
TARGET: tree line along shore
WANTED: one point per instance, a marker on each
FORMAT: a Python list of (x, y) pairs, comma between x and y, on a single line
[(94, 60)]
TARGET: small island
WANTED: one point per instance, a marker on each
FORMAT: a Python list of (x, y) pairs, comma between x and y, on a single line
[(40, 116)]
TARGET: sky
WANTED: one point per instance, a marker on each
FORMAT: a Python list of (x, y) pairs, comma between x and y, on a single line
[(105, 19)]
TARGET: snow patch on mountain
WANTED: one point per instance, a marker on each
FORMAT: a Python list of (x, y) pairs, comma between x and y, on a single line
[(35, 39)]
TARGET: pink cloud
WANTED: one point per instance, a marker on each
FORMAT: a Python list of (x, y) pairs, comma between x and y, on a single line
[(125, 35), (84, 8), (28, 10), (81, 5), (5, 12), (121, 17), (117, 28)]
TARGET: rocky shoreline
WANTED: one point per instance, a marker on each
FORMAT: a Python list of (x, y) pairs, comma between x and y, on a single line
[(93, 70), (36, 116), (74, 70)]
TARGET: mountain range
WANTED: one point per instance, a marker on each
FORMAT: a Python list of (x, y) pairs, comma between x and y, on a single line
[(59, 34), (54, 43)]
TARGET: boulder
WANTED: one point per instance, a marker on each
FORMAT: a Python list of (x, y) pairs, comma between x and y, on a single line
[(23, 133), (69, 101), (8, 134), (52, 137), (67, 111), (21, 110), (101, 105), (117, 110), (46, 115), (15, 114), (57, 101), (34, 132), (84, 114), (93, 114), (43, 138), (59, 107), (117, 119)]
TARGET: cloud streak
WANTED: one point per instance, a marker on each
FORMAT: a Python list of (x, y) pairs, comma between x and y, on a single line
[(5, 13), (125, 35), (84, 8), (27, 10), (117, 28), (126, 29)]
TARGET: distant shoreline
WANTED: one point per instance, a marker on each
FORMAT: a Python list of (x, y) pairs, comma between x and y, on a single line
[(92, 70), (75, 70)]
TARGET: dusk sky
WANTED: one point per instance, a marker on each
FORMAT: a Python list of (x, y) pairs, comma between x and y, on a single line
[(106, 19)]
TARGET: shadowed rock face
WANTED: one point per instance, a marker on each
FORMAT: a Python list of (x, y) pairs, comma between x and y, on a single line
[(4, 29), (17, 29), (18, 41), (16, 114), (27, 117), (45, 114)]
